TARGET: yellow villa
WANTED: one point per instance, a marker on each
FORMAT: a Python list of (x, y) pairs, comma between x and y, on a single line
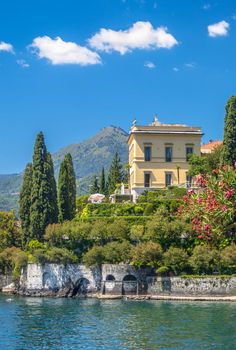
[(158, 155)]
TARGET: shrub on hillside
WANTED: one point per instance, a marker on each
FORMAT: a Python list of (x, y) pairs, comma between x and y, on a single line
[(166, 232), (163, 270), (228, 256), (116, 252), (94, 256), (147, 254), (137, 232), (118, 231), (81, 203), (60, 256), (176, 259), (205, 260), (34, 244), (149, 209), (12, 260), (70, 234), (10, 234)]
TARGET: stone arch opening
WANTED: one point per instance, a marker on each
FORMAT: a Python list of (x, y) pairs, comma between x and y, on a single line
[(110, 278), (46, 280), (129, 285), (129, 278), (81, 287)]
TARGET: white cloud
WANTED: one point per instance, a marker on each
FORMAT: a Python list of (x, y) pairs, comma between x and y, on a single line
[(218, 29), (58, 51), (190, 65), (141, 35), (175, 69), (149, 65), (206, 7), (6, 47), (22, 63)]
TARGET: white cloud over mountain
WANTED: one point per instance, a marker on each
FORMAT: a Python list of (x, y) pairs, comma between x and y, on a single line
[(6, 47), (58, 51), (218, 29), (141, 35)]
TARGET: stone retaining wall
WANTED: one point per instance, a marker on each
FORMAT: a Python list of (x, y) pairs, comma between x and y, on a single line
[(212, 286), (116, 280), (5, 280), (50, 279)]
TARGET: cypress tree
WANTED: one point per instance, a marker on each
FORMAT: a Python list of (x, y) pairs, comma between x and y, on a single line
[(25, 203), (43, 193), (63, 198), (50, 192), (67, 189), (72, 185), (115, 173), (229, 143), (94, 187), (102, 182)]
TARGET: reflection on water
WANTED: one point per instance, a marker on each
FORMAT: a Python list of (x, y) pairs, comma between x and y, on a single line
[(63, 324)]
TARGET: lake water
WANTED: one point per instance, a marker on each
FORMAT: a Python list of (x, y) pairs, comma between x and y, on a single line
[(63, 324)]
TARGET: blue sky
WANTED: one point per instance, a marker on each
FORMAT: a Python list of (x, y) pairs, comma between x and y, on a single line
[(71, 67)]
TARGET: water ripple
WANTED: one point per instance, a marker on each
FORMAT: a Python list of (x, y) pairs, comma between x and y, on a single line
[(66, 324)]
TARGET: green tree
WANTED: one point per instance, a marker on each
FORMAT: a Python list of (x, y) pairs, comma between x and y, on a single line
[(205, 260), (115, 175), (228, 256), (102, 182), (207, 163), (66, 190), (94, 256), (117, 252), (25, 204), (176, 259), (9, 230), (229, 143), (94, 187), (147, 254), (197, 165), (51, 206), (43, 208), (72, 185)]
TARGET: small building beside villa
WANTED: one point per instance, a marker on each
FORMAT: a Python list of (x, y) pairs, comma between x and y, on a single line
[(208, 148), (158, 155)]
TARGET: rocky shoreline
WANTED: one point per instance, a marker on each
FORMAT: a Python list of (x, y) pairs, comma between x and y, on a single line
[(65, 293), (116, 282)]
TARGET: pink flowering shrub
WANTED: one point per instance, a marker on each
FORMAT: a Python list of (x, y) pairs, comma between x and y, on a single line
[(212, 207)]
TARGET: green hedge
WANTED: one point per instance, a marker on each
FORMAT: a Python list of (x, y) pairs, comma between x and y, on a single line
[(131, 220), (129, 209)]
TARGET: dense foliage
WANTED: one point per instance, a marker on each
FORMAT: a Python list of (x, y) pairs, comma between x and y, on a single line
[(66, 190), (9, 230), (173, 230), (229, 144), (115, 175), (211, 209), (25, 203), (43, 205)]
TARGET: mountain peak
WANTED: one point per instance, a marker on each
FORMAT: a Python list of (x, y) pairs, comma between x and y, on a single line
[(89, 157)]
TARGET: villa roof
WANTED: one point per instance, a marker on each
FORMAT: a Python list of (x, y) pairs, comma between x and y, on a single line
[(211, 145), (160, 128)]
